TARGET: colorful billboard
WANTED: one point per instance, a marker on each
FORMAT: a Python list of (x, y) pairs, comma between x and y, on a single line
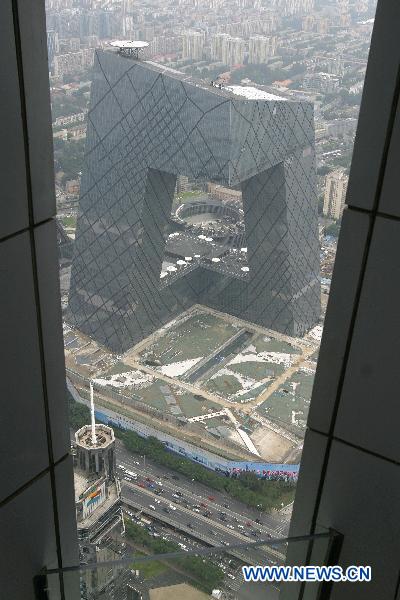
[(95, 496)]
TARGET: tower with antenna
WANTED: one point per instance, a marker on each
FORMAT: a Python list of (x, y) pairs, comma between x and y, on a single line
[(97, 499), (95, 447)]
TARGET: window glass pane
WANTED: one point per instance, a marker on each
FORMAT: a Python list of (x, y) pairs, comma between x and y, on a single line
[(201, 177)]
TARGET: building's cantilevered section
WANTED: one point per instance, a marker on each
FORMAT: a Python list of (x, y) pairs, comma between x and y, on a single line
[(146, 125)]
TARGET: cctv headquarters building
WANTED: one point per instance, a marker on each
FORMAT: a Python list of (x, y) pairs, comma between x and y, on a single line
[(147, 125)]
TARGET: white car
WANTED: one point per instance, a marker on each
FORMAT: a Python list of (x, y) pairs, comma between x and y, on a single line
[(183, 546), (152, 507), (172, 507), (231, 576)]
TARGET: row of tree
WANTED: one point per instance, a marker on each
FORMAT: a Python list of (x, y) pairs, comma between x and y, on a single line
[(246, 487), (206, 575)]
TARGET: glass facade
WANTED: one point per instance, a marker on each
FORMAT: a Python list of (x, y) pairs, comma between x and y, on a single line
[(148, 124)]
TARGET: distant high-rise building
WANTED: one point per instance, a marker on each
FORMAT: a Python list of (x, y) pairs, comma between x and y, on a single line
[(74, 44), (163, 44), (73, 62), (261, 48), (308, 23), (335, 194), (53, 46), (343, 7), (153, 127), (287, 8), (216, 45), (182, 184), (323, 82), (322, 25), (193, 45), (232, 51), (227, 49)]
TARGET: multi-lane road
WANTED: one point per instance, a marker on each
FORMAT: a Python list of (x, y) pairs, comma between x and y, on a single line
[(200, 512)]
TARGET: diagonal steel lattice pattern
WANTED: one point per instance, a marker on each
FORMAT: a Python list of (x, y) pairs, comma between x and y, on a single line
[(146, 125)]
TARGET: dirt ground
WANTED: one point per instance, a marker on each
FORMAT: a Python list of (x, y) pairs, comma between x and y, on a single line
[(272, 446), (182, 591)]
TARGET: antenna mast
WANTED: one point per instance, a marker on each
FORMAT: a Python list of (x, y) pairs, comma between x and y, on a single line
[(93, 423)]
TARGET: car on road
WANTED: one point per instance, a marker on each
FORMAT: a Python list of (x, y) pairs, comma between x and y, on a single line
[(196, 510), (178, 493), (172, 507), (175, 495), (152, 507), (140, 484), (240, 527), (248, 524), (226, 505), (230, 526), (203, 504), (231, 576), (212, 498), (183, 546), (258, 521), (207, 513), (225, 543)]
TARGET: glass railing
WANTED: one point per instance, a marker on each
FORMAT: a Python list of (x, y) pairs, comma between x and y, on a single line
[(145, 564)]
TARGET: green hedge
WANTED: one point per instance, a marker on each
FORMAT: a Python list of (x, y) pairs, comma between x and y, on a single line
[(247, 487)]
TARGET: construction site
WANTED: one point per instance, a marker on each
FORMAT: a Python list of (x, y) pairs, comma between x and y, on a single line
[(221, 384)]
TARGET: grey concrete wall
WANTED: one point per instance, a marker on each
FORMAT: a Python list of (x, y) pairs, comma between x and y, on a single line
[(37, 515), (350, 472)]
